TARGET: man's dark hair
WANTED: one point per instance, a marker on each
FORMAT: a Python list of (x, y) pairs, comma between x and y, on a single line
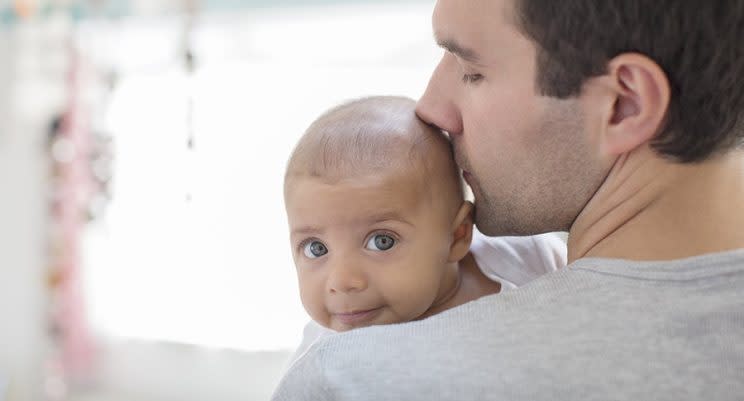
[(698, 43)]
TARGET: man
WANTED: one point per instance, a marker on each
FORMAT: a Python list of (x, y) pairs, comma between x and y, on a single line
[(621, 121)]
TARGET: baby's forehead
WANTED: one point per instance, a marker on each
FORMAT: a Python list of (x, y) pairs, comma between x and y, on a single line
[(427, 167), (356, 201), (392, 182), (381, 137)]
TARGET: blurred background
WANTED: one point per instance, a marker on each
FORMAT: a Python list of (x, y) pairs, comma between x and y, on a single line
[(143, 244)]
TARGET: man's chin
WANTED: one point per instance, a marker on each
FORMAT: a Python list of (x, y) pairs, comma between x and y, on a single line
[(483, 223), (492, 227)]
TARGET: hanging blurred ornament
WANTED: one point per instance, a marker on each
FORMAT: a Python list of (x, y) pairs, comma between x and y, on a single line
[(71, 352), (190, 9), (63, 150), (55, 387), (101, 173), (25, 8)]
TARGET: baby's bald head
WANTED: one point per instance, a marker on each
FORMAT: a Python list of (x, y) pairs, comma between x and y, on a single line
[(378, 135)]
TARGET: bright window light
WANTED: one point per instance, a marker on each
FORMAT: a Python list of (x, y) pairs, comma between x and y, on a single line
[(216, 270)]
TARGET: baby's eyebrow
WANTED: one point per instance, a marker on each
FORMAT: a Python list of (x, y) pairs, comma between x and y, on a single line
[(305, 230), (387, 216)]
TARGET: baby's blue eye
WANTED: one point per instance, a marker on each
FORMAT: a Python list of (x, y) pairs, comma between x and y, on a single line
[(380, 242), (315, 249)]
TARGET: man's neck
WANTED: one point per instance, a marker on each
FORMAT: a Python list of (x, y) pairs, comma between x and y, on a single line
[(649, 208)]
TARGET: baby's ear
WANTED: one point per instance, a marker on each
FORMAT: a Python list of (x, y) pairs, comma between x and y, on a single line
[(462, 232)]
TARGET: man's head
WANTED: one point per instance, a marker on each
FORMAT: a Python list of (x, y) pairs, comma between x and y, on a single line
[(376, 213), (541, 97)]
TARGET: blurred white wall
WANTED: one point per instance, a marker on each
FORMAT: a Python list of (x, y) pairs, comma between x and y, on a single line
[(216, 272), (30, 92), (156, 371), (200, 236), (263, 77)]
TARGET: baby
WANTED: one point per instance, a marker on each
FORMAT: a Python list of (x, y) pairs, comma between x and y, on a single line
[(380, 229)]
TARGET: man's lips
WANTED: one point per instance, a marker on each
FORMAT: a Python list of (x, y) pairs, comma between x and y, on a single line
[(358, 316)]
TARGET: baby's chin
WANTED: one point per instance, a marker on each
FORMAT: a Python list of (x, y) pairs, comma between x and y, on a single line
[(376, 317)]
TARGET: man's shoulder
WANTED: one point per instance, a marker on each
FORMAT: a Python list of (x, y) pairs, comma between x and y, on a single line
[(581, 297), (562, 335)]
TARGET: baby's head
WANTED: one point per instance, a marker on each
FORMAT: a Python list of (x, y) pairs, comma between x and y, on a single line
[(376, 213)]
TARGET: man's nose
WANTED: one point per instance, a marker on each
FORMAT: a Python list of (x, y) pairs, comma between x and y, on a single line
[(438, 104), (345, 276)]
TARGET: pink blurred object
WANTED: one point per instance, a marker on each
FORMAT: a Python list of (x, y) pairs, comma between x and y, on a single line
[(72, 186)]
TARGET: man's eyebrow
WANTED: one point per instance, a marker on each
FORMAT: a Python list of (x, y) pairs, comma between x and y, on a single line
[(458, 50)]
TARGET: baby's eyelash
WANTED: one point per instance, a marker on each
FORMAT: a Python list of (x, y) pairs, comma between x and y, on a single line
[(304, 242), (395, 236)]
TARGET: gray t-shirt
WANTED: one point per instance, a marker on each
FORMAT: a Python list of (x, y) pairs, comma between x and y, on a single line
[(600, 329)]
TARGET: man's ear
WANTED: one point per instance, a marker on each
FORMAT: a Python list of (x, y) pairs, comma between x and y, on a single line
[(641, 92), (462, 232)]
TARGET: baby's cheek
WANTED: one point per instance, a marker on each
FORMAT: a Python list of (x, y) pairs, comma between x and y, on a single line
[(312, 301), (319, 314), (409, 307)]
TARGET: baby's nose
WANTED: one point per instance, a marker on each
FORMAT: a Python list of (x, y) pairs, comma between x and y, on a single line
[(344, 277)]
